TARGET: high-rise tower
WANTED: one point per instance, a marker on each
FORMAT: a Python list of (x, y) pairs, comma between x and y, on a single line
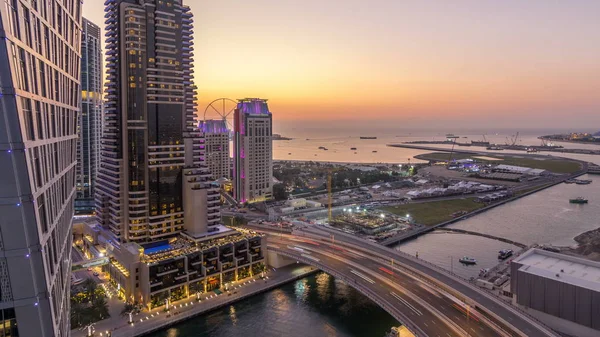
[(216, 135), (39, 99), (252, 151), (151, 148), (90, 118)]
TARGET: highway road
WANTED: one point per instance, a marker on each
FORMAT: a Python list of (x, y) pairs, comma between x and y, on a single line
[(431, 286), (435, 313), (462, 289)]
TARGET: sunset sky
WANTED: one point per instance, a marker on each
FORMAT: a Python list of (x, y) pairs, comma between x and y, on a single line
[(533, 63)]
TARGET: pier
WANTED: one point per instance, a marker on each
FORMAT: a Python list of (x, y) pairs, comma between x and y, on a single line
[(462, 231)]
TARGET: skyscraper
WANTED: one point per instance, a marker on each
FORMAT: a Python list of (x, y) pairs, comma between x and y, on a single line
[(90, 118), (216, 135), (252, 151), (151, 148), (39, 99)]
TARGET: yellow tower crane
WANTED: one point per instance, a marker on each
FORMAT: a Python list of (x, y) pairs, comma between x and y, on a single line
[(330, 173)]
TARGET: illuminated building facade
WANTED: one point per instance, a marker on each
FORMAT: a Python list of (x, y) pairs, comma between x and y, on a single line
[(252, 151), (216, 137), (152, 177), (40, 90)]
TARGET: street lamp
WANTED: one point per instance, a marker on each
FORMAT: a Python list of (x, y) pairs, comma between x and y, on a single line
[(167, 304), (130, 317)]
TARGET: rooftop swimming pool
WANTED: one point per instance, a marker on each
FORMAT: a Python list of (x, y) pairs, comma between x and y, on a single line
[(151, 249)]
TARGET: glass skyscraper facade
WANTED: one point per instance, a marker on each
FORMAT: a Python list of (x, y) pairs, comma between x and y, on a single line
[(148, 113), (90, 118), (40, 45)]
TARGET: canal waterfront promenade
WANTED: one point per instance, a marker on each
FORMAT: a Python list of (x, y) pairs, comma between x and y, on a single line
[(148, 321)]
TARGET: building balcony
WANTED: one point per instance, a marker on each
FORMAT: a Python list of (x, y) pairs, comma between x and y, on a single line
[(174, 270)]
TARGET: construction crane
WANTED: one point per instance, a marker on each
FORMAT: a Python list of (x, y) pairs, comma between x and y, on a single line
[(330, 173)]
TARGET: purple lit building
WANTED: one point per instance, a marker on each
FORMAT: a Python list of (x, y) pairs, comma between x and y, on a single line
[(252, 151), (216, 137)]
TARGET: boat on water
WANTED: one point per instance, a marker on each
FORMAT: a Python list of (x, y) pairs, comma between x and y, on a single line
[(583, 182), (570, 181), (480, 143), (289, 153), (467, 260), (374, 151), (505, 254), (578, 200), (363, 137), (353, 148)]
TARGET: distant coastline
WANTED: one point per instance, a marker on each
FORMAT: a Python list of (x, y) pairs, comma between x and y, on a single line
[(563, 139)]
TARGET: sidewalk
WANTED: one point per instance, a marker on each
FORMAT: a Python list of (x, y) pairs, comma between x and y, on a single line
[(148, 321)]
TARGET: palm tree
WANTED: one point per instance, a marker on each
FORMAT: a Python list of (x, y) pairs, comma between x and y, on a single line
[(89, 287), (77, 314), (129, 307), (100, 308)]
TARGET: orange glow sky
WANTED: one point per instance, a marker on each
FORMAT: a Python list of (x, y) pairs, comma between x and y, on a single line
[(535, 63)]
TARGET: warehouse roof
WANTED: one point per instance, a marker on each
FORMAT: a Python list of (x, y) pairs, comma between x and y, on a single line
[(565, 268)]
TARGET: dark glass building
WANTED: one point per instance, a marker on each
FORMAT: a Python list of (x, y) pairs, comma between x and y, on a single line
[(149, 117), (90, 118)]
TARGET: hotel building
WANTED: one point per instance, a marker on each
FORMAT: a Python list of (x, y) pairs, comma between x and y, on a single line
[(151, 148), (252, 151), (157, 208), (216, 137), (40, 57)]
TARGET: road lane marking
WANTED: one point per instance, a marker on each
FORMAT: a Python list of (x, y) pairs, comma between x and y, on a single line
[(362, 276), (415, 310)]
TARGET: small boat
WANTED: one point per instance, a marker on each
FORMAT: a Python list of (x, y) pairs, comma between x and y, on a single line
[(353, 148), (570, 181), (374, 151), (579, 200), (467, 260), (363, 137), (289, 153), (583, 182), (483, 272), (505, 254)]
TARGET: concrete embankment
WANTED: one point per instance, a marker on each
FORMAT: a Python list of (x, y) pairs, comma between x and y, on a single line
[(148, 322), (413, 234)]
